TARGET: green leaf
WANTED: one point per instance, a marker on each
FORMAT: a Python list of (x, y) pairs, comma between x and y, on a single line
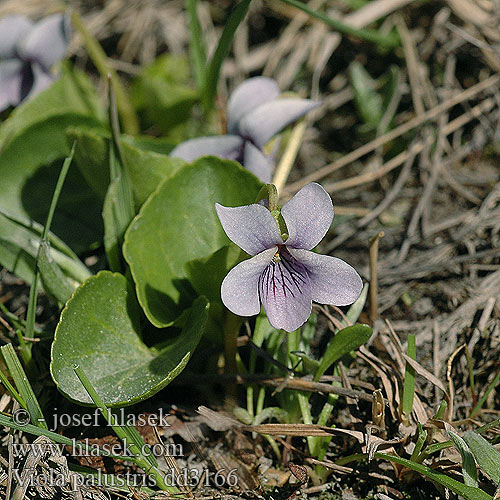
[(206, 274), (100, 331), (344, 341), (33, 139), (468, 492), (91, 156), (310, 365), (147, 168), (112, 228), (73, 93), (53, 279), (159, 145), (27, 189), (162, 93), (368, 101), (178, 224), (468, 464), (487, 457), (146, 158), (19, 239)]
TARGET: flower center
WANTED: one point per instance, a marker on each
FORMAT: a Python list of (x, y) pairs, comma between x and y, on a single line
[(277, 257), (284, 276)]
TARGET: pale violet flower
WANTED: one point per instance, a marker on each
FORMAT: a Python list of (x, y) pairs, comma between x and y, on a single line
[(27, 53), (255, 115), (285, 276)]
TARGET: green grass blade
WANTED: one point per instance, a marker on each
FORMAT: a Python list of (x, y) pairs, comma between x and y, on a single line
[(409, 382), (6, 421), (213, 70), (57, 191), (468, 492), (145, 460), (386, 41), (23, 386), (422, 437), (30, 316), (484, 397), (11, 389), (196, 45)]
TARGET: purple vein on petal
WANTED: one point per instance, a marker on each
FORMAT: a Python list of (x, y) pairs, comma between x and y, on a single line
[(285, 292)]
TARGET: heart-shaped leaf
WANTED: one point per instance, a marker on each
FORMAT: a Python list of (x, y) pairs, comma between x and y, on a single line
[(100, 331), (178, 224), (33, 142)]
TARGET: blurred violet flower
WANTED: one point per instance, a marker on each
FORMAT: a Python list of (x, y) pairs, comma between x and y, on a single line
[(27, 53), (283, 274), (255, 115)]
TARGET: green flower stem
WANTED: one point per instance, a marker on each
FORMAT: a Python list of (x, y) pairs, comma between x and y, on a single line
[(269, 192), (100, 60), (232, 326)]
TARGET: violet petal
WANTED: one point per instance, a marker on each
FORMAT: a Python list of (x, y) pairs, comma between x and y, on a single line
[(240, 290), (285, 292), (333, 281), (10, 83), (223, 146), (257, 162), (308, 216), (265, 121), (47, 42), (251, 227), (12, 29), (41, 80), (247, 96)]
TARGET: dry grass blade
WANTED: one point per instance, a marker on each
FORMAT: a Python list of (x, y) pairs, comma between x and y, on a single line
[(431, 114)]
